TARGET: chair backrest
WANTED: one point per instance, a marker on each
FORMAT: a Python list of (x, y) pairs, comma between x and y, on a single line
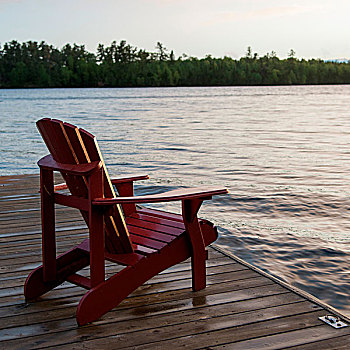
[(70, 145)]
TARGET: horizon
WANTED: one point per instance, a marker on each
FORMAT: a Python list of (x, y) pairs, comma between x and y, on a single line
[(318, 29)]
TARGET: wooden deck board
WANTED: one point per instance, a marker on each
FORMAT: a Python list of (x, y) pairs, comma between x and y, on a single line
[(241, 308)]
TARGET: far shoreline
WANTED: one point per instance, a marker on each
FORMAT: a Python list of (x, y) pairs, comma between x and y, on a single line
[(166, 87)]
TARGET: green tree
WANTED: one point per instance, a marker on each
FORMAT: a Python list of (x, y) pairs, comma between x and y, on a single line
[(33, 64), (162, 54)]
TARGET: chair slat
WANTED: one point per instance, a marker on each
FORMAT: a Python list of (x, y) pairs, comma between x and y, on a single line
[(146, 242), (62, 144), (161, 237), (94, 153), (77, 185), (116, 221), (77, 143), (157, 220), (50, 138), (160, 214), (173, 231)]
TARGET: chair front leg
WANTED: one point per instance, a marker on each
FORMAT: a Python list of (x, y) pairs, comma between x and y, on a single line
[(48, 225), (189, 212)]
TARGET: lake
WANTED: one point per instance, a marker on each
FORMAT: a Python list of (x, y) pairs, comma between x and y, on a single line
[(283, 152)]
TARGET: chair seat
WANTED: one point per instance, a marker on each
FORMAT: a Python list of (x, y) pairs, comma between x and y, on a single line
[(151, 229)]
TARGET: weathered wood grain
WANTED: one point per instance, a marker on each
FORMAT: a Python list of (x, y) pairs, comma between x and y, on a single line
[(239, 309)]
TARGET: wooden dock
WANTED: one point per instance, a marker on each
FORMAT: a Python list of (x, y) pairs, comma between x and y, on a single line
[(241, 308)]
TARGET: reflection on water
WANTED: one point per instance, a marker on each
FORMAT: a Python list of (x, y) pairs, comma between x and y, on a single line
[(282, 152)]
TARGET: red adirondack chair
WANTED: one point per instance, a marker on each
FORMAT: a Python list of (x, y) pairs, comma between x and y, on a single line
[(145, 241)]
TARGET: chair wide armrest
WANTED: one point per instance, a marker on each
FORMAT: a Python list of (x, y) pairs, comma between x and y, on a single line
[(127, 179), (175, 195), (85, 169)]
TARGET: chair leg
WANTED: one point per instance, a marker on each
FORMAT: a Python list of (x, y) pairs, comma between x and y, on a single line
[(48, 225), (199, 254), (107, 295), (67, 264), (198, 271)]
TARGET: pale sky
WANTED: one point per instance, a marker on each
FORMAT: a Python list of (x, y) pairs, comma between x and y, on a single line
[(313, 28)]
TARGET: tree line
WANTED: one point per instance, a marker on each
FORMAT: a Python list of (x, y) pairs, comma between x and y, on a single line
[(33, 64)]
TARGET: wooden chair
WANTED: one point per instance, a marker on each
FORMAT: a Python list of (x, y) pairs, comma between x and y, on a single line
[(144, 241)]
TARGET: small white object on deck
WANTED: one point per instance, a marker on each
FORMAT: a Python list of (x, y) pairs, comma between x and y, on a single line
[(333, 321)]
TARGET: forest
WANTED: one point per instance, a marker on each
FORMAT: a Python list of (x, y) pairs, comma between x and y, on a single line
[(40, 65)]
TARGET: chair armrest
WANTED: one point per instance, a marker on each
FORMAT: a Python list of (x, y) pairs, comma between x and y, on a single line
[(175, 195), (49, 163), (122, 180)]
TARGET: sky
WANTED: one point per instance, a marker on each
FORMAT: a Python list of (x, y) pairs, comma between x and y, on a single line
[(312, 28)]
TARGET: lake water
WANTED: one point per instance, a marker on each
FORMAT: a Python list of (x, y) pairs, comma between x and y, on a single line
[(283, 152)]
